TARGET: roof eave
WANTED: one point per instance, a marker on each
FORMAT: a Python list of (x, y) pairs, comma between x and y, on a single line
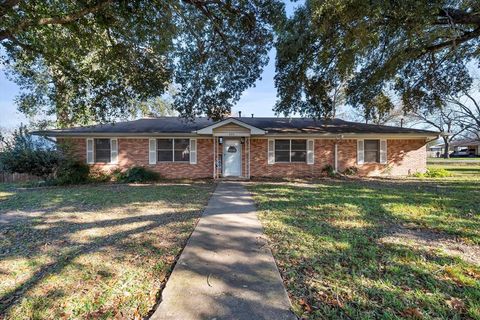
[(359, 135), (111, 134)]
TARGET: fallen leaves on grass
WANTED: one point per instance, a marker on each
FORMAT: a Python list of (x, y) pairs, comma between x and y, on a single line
[(456, 304), (412, 313), (306, 306), (109, 262)]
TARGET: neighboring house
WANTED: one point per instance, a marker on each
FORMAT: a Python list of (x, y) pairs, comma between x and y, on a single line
[(435, 151), (249, 147), (464, 147)]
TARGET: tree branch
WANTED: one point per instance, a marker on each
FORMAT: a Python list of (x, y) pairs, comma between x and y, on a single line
[(456, 16), (453, 42)]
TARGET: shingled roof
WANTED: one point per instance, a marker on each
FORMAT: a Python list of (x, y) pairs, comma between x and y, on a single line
[(176, 125)]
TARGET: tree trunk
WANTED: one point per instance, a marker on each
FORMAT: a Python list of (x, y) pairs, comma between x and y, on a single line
[(446, 150)]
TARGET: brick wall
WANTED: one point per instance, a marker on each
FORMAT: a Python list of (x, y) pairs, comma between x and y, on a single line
[(134, 152), (404, 157)]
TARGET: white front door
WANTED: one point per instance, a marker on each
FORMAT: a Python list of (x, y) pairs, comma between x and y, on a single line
[(232, 158)]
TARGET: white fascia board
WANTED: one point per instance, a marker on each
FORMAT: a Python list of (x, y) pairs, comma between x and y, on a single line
[(354, 135)]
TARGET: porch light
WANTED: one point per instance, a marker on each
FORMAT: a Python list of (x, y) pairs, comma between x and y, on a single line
[(242, 140), (220, 140)]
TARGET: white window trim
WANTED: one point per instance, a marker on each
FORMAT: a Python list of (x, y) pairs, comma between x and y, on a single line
[(383, 151), (271, 151), (152, 152), (193, 151), (360, 152), (90, 151), (114, 151), (311, 152)]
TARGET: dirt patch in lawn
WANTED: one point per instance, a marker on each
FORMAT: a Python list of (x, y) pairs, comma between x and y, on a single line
[(432, 241)]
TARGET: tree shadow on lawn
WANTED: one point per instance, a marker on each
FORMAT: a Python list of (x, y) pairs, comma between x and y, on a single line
[(94, 197), (453, 211), (326, 241), (34, 236)]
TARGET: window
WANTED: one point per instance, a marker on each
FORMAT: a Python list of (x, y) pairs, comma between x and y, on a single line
[(165, 150), (372, 150), (282, 150), (291, 150), (102, 150), (173, 150), (299, 151)]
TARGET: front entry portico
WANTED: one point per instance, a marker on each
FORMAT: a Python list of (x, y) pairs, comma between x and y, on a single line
[(231, 147)]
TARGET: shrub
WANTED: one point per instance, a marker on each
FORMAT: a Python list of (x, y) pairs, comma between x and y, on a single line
[(351, 171), (433, 173), (97, 175), (26, 154), (138, 174), (329, 170), (117, 175), (72, 172)]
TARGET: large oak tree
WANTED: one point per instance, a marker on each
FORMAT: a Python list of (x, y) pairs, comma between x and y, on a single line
[(96, 60), (419, 51)]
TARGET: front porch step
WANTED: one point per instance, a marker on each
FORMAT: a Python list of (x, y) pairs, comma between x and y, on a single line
[(232, 179)]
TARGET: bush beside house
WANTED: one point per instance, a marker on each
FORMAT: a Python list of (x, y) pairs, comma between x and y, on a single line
[(24, 153)]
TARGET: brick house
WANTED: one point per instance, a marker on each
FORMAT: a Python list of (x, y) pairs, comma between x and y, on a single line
[(249, 147)]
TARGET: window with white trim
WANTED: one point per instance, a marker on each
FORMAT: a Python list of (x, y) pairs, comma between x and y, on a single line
[(290, 150), (371, 150), (102, 150), (173, 150)]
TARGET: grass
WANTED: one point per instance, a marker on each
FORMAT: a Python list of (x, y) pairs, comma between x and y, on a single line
[(328, 238), (454, 161), (469, 171), (91, 251)]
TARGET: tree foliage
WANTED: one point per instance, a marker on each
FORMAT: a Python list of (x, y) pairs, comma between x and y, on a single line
[(417, 49), (97, 59), (24, 154)]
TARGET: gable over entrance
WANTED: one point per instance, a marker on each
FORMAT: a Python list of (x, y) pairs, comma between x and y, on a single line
[(231, 127)]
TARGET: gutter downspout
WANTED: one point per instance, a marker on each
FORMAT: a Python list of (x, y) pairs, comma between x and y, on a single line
[(336, 158), (335, 163)]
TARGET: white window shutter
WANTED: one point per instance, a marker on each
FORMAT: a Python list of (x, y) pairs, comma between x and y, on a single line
[(310, 151), (271, 151), (383, 151), (152, 151), (193, 151), (114, 150), (90, 158), (360, 152)]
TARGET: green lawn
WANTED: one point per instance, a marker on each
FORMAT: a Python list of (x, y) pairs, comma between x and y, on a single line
[(469, 171), (332, 242), (454, 161), (92, 251)]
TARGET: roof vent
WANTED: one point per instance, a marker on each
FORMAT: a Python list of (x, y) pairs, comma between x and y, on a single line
[(252, 115), (239, 114)]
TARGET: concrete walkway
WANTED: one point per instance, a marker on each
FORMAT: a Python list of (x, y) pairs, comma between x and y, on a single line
[(226, 271)]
